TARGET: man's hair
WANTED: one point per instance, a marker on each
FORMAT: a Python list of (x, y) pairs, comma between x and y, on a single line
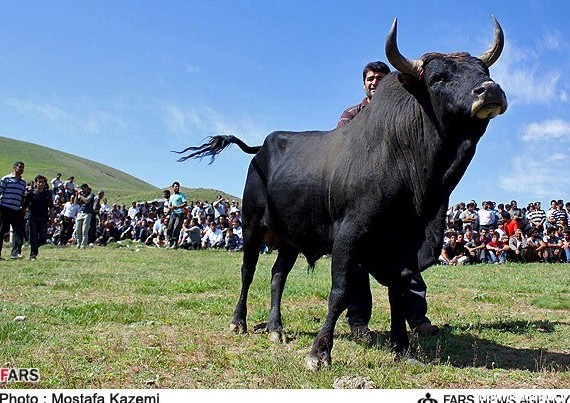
[(38, 177), (175, 183), (376, 67), (17, 163)]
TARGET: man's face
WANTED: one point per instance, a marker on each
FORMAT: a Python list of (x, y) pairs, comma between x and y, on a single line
[(176, 187), (41, 184), (371, 81), (19, 169)]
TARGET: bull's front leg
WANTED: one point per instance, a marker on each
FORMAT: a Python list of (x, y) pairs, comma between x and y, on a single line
[(342, 262)]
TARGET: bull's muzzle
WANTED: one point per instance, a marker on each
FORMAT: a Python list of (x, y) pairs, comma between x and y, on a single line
[(490, 101)]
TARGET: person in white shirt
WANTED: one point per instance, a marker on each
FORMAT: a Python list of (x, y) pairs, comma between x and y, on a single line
[(213, 238)]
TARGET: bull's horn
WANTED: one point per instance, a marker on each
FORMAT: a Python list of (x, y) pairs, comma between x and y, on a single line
[(493, 53), (401, 63)]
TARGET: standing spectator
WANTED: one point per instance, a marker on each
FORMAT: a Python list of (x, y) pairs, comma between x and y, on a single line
[(56, 183), (69, 187), (515, 210), (68, 214), (470, 217), (559, 215), (550, 220), (486, 216), (454, 217), (12, 187), (85, 198), (96, 217), (220, 209), (133, 210), (176, 204), (536, 217), (40, 204)]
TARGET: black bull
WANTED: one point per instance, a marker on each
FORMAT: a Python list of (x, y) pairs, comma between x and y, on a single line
[(382, 181)]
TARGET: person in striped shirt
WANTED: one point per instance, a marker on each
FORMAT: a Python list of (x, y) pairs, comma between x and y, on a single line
[(12, 187)]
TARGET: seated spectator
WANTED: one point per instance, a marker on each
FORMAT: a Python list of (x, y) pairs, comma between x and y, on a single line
[(213, 238), (566, 246), (517, 246), (497, 250), (108, 234), (481, 246), (232, 241), (553, 246), (192, 236), (453, 253)]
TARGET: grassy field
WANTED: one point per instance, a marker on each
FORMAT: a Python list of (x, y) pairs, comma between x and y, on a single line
[(119, 186), (137, 317)]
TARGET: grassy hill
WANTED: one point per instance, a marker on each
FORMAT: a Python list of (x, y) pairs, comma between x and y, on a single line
[(119, 186)]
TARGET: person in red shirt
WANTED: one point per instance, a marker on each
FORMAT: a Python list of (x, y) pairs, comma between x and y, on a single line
[(497, 249)]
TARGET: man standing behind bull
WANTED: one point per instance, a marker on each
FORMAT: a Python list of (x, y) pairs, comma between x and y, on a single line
[(360, 307)]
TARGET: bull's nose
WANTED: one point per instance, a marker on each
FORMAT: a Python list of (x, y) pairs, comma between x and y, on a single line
[(490, 100), (489, 89)]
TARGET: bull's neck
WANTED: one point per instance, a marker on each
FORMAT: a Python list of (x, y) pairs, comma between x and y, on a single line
[(428, 159)]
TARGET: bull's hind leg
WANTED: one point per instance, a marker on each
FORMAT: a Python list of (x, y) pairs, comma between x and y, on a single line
[(283, 265), (253, 239)]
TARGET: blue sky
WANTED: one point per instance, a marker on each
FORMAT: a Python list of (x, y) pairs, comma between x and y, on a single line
[(125, 82)]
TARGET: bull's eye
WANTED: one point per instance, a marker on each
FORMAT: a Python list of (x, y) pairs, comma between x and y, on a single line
[(436, 80)]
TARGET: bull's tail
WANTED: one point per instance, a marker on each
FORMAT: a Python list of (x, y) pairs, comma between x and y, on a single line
[(214, 146)]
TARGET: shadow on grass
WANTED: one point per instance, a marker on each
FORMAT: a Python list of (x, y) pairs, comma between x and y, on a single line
[(466, 350)]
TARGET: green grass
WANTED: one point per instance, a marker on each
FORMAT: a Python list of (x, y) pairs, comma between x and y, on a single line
[(119, 317)]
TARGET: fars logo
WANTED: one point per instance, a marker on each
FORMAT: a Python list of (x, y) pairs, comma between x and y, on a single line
[(19, 375), (427, 399)]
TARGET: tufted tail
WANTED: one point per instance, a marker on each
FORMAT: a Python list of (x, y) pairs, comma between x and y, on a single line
[(214, 146)]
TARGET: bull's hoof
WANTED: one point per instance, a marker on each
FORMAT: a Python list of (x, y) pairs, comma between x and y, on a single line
[(276, 337), (238, 328), (316, 362)]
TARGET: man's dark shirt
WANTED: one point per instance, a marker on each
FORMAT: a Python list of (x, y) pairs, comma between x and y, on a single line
[(39, 204), (452, 251)]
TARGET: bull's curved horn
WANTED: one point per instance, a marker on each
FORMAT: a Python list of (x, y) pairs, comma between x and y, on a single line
[(401, 63), (493, 53)]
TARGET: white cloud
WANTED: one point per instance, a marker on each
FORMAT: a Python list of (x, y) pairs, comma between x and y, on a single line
[(551, 41), (536, 176), (203, 121), (525, 80), (548, 129), (87, 118)]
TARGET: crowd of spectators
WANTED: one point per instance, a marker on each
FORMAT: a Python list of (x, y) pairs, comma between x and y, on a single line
[(493, 233), (211, 225), (499, 233)]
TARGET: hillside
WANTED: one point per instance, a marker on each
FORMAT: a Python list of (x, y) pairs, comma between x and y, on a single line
[(119, 186)]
